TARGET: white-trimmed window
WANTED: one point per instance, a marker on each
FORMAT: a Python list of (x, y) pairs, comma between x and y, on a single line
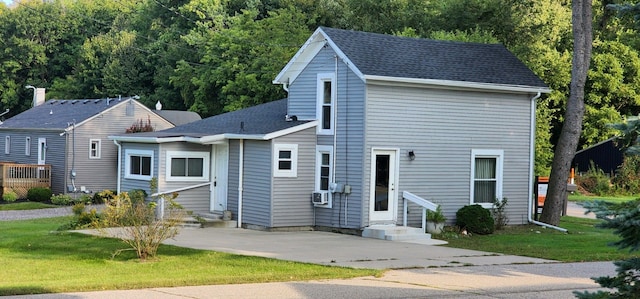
[(95, 147), (138, 164), (326, 98), (486, 176), (324, 170), (27, 146), (7, 145), (187, 166), (285, 160)]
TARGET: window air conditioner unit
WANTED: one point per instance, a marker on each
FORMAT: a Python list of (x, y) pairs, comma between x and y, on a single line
[(319, 198)]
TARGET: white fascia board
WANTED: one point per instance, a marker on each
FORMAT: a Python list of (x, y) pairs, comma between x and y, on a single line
[(152, 139), (457, 84), (309, 49), (291, 130), (304, 55)]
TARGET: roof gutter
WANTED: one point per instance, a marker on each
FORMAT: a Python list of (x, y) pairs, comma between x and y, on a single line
[(532, 146)]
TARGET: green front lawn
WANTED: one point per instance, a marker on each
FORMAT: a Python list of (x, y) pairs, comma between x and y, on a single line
[(579, 197), (35, 258), (27, 205), (583, 242)]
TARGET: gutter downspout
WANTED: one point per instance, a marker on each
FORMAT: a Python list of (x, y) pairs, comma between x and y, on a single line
[(532, 145), (240, 181), (119, 165)]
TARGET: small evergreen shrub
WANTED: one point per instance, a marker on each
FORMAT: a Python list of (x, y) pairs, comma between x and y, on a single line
[(82, 219), (499, 214), (61, 199), (39, 194), (475, 219), (84, 198), (9, 196)]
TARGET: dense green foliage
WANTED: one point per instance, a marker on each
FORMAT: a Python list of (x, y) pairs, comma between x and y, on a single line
[(475, 219), (39, 194), (217, 56)]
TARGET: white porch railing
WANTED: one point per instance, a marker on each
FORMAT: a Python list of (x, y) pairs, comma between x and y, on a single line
[(161, 200), (425, 204)]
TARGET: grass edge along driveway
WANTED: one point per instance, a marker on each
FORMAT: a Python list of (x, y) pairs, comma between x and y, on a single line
[(37, 259)]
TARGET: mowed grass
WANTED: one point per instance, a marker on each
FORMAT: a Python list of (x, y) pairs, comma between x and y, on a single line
[(27, 205), (582, 243), (35, 258), (616, 199)]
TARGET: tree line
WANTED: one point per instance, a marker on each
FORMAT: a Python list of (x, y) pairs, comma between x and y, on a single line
[(214, 56)]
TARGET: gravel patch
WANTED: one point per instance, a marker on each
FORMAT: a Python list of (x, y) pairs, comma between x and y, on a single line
[(34, 214)]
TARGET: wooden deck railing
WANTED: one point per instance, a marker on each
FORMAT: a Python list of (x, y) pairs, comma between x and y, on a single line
[(22, 177)]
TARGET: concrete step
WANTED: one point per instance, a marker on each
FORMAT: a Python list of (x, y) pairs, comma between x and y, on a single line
[(395, 233), (216, 220)]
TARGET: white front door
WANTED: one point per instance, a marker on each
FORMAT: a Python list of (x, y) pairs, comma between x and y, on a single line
[(383, 194), (219, 166)]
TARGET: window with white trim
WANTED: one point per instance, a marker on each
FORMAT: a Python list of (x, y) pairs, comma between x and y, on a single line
[(285, 160), (138, 164), (325, 111), (324, 170), (7, 145), (486, 176), (27, 146), (187, 166), (94, 148)]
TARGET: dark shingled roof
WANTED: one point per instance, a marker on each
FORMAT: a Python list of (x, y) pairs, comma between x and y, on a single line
[(177, 117), (394, 56), (59, 114), (257, 120)]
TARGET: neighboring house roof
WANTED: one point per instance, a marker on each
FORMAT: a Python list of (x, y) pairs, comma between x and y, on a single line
[(386, 57), (257, 122), (177, 117), (60, 114)]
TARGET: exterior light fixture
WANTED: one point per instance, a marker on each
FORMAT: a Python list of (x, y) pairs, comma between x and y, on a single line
[(412, 155)]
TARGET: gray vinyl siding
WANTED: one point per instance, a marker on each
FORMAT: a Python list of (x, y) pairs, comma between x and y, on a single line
[(197, 199), (292, 196), (256, 199), (442, 127), (349, 153), (233, 174), (100, 174), (54, 155), (127, 184)]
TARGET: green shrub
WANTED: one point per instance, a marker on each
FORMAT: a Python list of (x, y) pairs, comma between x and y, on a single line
[(137, 195), (595, 181), (61, 199), (103, 196), (499, 214), (9, 196), (475, 219), (84, 198), (78, 209), (39, 194), (627, 179)]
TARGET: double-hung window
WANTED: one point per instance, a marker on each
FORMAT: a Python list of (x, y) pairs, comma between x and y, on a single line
[(187, 166), (285, 160), (94, 148), (324, 170), (325, 109), (486, 176), (139, 164)]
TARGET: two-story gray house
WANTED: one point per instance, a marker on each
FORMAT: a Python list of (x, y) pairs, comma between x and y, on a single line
[(368, 118), (71, 136)]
